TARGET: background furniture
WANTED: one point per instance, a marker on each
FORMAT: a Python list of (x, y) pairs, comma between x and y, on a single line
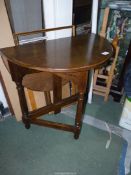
[(121, 10), (106, 75), (118, 31)]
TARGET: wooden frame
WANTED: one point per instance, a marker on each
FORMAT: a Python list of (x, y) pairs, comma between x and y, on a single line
[(100, 89)]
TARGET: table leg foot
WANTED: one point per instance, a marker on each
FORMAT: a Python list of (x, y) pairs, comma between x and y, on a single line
[(76, 136), (77, 133), (27, 125)]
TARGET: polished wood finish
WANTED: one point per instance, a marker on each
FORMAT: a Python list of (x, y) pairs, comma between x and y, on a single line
[(66, 58), (40, 81), (70, 54)]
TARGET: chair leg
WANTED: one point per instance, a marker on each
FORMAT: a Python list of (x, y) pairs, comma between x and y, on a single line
[(109, 83), (95, 77), (32, 99), (47, 97), (73, 88), (106, 95)]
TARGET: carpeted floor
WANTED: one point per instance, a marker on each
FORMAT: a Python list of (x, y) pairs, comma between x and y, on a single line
[(45, 151), (109, 111)]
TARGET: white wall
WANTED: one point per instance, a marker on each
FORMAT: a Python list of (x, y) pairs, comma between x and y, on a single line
[(58, 13), (93, 30), (2, 97)]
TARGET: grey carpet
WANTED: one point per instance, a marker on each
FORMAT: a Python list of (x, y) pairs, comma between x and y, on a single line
[(45, 151)]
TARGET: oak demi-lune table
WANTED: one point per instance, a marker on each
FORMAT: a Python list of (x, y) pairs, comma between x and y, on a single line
[(68, 58)]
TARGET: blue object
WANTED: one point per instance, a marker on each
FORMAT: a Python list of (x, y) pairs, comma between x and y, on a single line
[(127, 82), (121, 170)]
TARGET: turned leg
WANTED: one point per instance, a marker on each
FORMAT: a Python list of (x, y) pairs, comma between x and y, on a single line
[(79, 115), (23, 104), (82, 82), (57, 91), (17, 74)]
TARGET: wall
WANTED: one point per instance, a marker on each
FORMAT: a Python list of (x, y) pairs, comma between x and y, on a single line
[(58, 13), (26, 16), (2, 97), (6, 40)]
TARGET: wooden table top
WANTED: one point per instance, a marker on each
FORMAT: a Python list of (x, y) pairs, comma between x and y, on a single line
[(70, 54)]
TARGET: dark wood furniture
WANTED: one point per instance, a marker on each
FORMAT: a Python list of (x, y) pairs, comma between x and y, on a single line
[(66, 58), (40, 81)]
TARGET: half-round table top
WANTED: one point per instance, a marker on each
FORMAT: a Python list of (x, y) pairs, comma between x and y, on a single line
[(71, 54)]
